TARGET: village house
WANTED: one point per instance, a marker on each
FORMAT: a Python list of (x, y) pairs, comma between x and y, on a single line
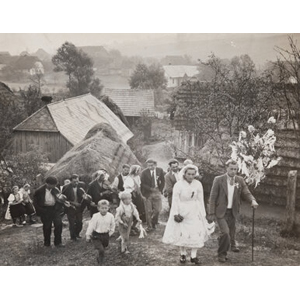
[(26, 64), (175, 74), (133, 103), (58, 126)]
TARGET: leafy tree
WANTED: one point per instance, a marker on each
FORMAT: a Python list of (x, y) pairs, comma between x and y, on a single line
[(215, 111), (285, 75), (31, 99), (144, 77), (78, 66), (12, 112)]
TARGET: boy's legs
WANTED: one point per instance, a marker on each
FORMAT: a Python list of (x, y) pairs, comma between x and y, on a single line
[(100, 241)]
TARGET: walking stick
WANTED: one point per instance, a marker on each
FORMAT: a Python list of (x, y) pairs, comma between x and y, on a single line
[(253, 215)]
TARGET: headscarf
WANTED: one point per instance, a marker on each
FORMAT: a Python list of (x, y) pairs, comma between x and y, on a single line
[(134, 170), (185, 168)]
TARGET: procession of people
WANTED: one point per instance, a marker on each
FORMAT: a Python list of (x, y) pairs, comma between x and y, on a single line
[(132, 203)]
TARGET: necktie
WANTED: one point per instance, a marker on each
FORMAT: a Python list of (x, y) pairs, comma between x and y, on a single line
[(231, 181), (152, 179)]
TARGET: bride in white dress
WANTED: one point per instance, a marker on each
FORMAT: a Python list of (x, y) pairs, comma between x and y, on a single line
[(187, 226)]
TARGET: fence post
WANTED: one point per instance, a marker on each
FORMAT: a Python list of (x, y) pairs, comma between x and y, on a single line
[(291, 202)]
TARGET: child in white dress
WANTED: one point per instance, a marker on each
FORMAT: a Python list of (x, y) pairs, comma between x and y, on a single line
[(187, 226), (124, 219)]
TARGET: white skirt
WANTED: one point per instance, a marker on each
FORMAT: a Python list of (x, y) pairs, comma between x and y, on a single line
[(192, 232)]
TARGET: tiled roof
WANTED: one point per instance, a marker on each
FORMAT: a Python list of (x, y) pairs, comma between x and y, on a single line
[(74, 117), (180, 71), (41, 120), (132, 102)]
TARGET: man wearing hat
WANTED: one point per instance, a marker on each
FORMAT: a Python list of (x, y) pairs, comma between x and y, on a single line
[(152, 185), (170, 179), (48, 204), (75, 193)]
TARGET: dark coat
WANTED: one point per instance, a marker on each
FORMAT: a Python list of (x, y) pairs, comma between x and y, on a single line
[(39, 200), (68, 192), (146, 180), (218, 199), (170, 181)]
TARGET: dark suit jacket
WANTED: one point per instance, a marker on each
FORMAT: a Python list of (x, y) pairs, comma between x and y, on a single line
[(218, 199), (146, 181), (94, 190), (39, 200), (170, 181), (68, 192)]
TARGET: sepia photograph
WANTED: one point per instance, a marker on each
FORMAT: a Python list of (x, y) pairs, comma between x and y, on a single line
[(149, 149)]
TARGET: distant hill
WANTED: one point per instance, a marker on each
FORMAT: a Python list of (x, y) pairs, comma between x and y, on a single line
[(260, 47)]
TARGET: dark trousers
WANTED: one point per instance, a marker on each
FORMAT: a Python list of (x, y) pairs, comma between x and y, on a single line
[(48, 217), (100, 241), (75, 222), (153, 208), (227, 228)]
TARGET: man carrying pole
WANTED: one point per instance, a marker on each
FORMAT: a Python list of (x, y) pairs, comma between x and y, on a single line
[(224, 206)]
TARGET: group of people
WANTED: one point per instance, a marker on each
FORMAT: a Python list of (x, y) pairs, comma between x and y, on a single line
[(20, 206), (138, 196)]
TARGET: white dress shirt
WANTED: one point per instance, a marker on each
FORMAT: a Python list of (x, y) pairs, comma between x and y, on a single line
[(230, 189), (49, 198), (154, 171), (101, 224), (176, 175)]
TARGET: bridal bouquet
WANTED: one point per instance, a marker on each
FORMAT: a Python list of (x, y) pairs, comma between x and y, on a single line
[(255, 153)]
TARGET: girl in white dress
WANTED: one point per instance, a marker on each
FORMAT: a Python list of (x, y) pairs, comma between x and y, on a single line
[(132, 184), (187, 226)]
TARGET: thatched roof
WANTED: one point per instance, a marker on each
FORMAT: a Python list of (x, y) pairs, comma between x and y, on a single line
[(73, 118), (102, 148)]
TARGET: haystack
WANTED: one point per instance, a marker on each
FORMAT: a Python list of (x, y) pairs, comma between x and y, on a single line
[(102, 148)]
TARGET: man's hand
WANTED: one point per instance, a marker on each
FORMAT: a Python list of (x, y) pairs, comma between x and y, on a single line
[(105, 193), (88, 240), (93, 204), (178, 218), (76, 204), (254, 204), (211, 218)]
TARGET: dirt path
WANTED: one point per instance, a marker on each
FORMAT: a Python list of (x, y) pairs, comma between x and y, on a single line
[(160, 153), (24, 246)]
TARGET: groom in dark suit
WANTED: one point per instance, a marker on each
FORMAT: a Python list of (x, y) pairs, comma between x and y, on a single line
[(224, 206), (170, 179), (152, 185)]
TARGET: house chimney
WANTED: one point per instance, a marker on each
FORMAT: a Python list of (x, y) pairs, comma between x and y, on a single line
[(46, 99)]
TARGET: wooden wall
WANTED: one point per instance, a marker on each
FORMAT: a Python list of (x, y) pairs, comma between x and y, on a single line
[(52, 143)]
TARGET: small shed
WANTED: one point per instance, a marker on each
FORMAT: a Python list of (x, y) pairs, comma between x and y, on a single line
[(58, 126), (133, 103)]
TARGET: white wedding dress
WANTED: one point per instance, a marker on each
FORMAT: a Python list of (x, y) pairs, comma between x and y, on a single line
[(194, 230)]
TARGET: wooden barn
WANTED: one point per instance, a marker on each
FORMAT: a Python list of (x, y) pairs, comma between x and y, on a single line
[(58, 126)]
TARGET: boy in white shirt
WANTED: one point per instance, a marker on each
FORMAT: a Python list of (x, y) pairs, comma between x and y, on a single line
[(100, 228), (124, 219)]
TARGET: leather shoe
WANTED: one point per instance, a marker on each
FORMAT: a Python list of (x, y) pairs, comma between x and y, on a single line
[(235, 249), (222, 259), (60, 246), (196, 261)]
